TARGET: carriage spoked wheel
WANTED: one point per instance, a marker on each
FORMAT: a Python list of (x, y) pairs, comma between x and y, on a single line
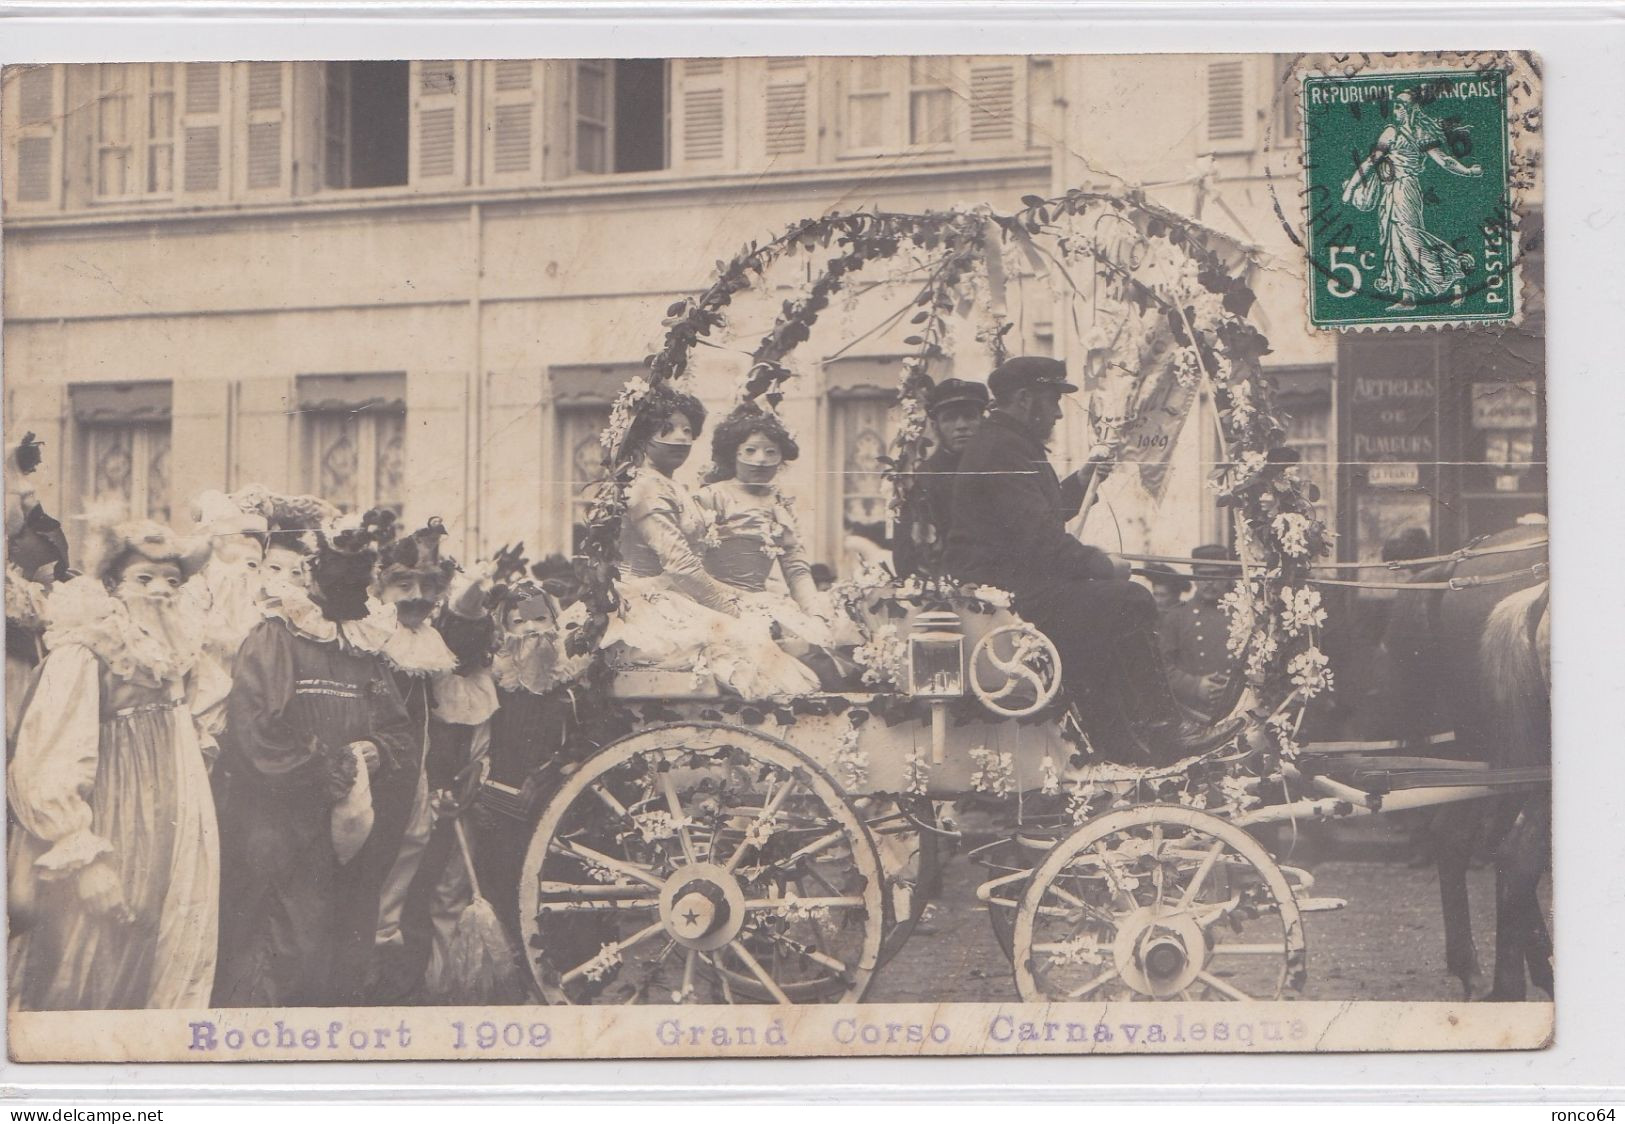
[(701, 863), (1158, 902)]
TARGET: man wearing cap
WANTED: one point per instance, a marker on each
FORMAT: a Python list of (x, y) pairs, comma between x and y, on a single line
[(1195, 637), (1008, 530), (956, 408)]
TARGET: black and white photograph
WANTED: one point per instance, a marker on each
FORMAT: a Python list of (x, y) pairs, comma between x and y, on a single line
[(875, 555)]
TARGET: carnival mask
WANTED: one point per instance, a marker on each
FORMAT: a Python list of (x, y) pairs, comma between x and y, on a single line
[(758, 459)]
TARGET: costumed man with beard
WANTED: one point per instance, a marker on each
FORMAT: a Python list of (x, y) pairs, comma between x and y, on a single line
[(227, 592), (534, 675), (36, 558), (1010, 514), (114, 861), (313, 719), (956, 408), (440, 655)]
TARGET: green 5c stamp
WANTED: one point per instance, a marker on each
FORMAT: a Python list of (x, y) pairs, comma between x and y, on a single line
[(1408, 214)]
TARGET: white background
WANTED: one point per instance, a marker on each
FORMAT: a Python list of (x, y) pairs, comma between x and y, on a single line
[(1582, 48)]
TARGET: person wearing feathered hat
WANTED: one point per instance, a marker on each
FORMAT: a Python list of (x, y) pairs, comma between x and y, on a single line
[(313, 722), (115, 864), (440, 654), (36, 558)]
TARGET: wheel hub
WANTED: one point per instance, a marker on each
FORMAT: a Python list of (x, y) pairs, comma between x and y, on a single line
[(702, 906), (1159, 956)]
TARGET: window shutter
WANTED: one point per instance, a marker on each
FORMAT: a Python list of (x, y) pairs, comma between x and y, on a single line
[(788, 131), (702, 113), (995, 101), (513, 121), (35, 178), (202, 128), (439, 124), (268, 148), (1230, 122)]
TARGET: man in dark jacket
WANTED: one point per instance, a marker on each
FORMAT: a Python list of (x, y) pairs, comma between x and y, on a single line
[(956, 408), (1010, 514)]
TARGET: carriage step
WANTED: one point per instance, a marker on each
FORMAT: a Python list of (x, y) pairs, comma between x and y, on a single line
[(1321, 905)]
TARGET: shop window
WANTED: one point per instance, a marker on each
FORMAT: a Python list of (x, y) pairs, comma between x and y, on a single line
[(135, 130), (1304, 396), (367, 120), (354, 439), (620, 115), (124, 443)]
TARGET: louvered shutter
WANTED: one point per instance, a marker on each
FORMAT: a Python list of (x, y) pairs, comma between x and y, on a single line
[(788, 129), (513, 121), (996, 97), (439, 124), (1230, 122), (702, 118), (35, 175), (202, 129), (267, 150)]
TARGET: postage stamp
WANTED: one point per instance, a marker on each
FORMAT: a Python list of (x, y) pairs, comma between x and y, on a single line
[(1408, 207)]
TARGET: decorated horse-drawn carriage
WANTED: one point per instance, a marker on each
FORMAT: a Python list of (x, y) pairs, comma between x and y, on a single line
[(691, 844)]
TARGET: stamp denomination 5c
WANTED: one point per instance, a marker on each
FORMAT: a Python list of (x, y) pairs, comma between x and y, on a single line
[(1408, 210)]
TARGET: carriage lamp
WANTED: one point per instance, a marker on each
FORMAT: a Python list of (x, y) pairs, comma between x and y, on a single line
[(936, 656), (936, 669)]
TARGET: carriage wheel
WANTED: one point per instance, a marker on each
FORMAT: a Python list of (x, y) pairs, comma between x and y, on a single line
[(1158, 902), (702, 863)]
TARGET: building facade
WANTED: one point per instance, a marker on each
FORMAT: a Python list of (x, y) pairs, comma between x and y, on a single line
[(421, 283)]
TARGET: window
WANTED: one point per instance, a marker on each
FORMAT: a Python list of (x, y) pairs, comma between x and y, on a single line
[(135, 130), (353, 439), (581, 463), (868, 104), (620, 112), (930, 102), (124, 443), (367, 117)]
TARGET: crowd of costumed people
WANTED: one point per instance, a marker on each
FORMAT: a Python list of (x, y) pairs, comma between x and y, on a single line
[(241, 759)]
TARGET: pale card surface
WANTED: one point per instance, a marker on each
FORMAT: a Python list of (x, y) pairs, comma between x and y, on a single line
[(1302, 306)]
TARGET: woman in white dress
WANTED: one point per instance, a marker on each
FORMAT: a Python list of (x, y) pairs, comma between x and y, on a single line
[(753, 531), (674, 615), (115, 862)]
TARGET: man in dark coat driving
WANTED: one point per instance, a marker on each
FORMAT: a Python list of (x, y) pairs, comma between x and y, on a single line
[(1009, 530)]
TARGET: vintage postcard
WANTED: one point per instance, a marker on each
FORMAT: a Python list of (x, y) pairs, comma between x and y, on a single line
[(776, 556)]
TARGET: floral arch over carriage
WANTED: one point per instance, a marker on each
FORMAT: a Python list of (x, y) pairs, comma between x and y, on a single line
[(721, 849)]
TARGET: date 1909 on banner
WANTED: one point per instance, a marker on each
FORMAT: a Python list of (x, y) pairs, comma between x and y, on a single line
[(1407, 210)]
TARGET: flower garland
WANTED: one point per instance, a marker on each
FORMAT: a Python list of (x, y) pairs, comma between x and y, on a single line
[(1179, 284)]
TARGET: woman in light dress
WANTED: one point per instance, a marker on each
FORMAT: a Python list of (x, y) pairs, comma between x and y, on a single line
[(753, 532), (674, 615), (115, 856)]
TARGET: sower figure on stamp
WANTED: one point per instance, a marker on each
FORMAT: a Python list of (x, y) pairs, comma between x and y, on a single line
[(312, 721), (956, 408), (1010, 513)]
